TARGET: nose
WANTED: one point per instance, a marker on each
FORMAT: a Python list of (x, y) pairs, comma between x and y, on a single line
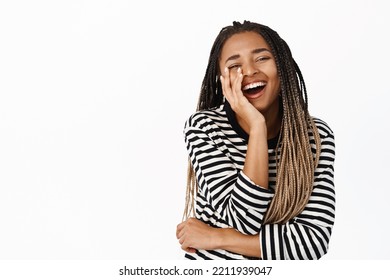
[(249, 69)]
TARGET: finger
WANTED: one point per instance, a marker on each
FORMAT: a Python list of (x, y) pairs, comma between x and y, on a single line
[(191, 250), (181, 240), (236, 86), (186, 246), (225, 82), (179, 229), (226, 88), (188, 249)]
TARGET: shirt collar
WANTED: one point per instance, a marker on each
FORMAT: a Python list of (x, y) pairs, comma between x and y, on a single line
[(231, 115)]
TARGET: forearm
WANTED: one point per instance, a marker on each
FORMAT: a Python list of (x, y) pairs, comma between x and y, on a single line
[(256, 160), (231, 240), (223, 186)]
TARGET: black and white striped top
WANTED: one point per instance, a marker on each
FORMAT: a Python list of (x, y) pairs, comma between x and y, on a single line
[(228, 198)]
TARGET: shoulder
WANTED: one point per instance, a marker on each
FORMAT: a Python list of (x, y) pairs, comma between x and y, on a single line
[(323, 128), (327, 140), (207, 117)]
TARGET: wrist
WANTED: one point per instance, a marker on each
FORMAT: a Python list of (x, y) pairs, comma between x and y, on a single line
[(223, 238), (258, 127), (218, 238)]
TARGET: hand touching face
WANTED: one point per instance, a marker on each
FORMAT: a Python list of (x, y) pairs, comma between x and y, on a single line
[(251, 71)]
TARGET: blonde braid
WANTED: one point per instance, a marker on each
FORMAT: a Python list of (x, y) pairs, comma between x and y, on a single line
[(296, 166), (191, 191)]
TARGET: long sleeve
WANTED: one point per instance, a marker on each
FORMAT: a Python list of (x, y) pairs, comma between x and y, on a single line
[(307, 235), (231, 195)]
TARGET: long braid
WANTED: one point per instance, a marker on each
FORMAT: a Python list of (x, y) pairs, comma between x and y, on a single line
[(295, 173), (295, 160)]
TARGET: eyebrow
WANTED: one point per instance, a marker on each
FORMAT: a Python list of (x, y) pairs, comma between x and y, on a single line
[(255, 51)]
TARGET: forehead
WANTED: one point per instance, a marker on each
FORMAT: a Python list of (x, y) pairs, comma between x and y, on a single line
[(243, 42)]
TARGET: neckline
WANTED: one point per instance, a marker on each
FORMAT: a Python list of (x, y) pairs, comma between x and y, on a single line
[(231, 115)]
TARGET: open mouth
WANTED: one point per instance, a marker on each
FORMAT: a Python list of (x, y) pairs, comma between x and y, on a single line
[(253, 88)]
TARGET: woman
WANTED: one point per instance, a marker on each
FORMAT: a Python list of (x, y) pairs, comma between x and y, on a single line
[(260, 180)]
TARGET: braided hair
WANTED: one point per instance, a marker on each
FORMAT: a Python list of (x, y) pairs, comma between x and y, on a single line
[(295, 161)]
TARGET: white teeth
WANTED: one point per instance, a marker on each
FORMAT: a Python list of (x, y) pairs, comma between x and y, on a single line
[(254, 85)]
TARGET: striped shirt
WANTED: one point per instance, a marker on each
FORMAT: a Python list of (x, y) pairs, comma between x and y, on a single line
[(226, 197)]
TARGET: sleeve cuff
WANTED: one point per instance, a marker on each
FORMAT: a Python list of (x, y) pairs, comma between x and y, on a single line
[(254, 198)]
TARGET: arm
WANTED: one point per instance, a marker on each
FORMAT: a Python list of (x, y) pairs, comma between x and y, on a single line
[(304, 237), (193, 233), (234, 195), (256, 160)]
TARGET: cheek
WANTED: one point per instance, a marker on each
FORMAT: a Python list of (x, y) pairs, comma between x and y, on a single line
[(271, 70), (276, 82), (273, 75)]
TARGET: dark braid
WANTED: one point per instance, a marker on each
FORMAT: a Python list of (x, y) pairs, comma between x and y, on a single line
[(296, 165)]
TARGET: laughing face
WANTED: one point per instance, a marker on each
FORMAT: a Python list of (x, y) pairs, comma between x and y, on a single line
[(260, 84)]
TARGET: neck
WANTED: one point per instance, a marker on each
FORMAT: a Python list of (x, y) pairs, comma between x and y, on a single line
[(274, 121)]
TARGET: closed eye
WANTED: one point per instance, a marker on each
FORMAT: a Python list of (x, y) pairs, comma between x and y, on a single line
[(234, 66), (262, 58)]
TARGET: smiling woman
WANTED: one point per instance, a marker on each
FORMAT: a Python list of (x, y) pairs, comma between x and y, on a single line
[(260, 180)]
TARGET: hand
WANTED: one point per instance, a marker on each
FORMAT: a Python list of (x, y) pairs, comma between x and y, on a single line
[(194, 234), (239, 103)]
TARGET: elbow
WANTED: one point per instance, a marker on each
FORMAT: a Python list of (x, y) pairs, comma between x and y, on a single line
[(316, 252), (324, 252)]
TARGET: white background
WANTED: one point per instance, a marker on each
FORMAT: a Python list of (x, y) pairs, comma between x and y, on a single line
[(93, 99)]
